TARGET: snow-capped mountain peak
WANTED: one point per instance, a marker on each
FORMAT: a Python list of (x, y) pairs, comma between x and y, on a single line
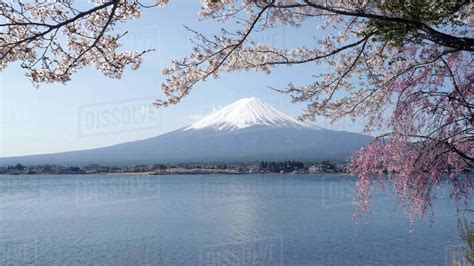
[(245, 113), (276, 136)]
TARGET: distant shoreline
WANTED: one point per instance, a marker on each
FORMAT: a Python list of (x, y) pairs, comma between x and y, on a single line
[(262, 167), (179, 173)]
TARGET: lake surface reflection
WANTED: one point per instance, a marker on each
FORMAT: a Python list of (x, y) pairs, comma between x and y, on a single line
[(212, 220)]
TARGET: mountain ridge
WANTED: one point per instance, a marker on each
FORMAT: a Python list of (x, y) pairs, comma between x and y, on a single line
[(246, 130)]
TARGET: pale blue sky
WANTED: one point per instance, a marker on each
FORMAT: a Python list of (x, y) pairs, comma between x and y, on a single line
[(58, 117)]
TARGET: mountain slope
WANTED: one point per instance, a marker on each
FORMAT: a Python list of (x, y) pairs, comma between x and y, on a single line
[(246, 130)]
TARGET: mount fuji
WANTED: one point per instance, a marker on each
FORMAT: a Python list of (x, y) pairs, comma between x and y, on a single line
[(246, 130), (246, 113)]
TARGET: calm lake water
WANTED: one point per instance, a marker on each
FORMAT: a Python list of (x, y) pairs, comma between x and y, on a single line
[(212, 220)]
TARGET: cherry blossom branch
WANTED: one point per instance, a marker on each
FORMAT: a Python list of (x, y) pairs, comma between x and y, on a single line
[(460, 43), (64, 39)]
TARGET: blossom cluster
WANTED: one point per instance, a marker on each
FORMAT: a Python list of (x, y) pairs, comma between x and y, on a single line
[(53, 39), (418, 94)]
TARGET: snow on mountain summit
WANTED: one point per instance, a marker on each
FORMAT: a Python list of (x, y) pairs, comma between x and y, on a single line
[(248, 130), (245, 113)]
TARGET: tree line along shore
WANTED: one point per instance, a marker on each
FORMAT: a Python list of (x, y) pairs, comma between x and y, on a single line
[(291, 166)]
